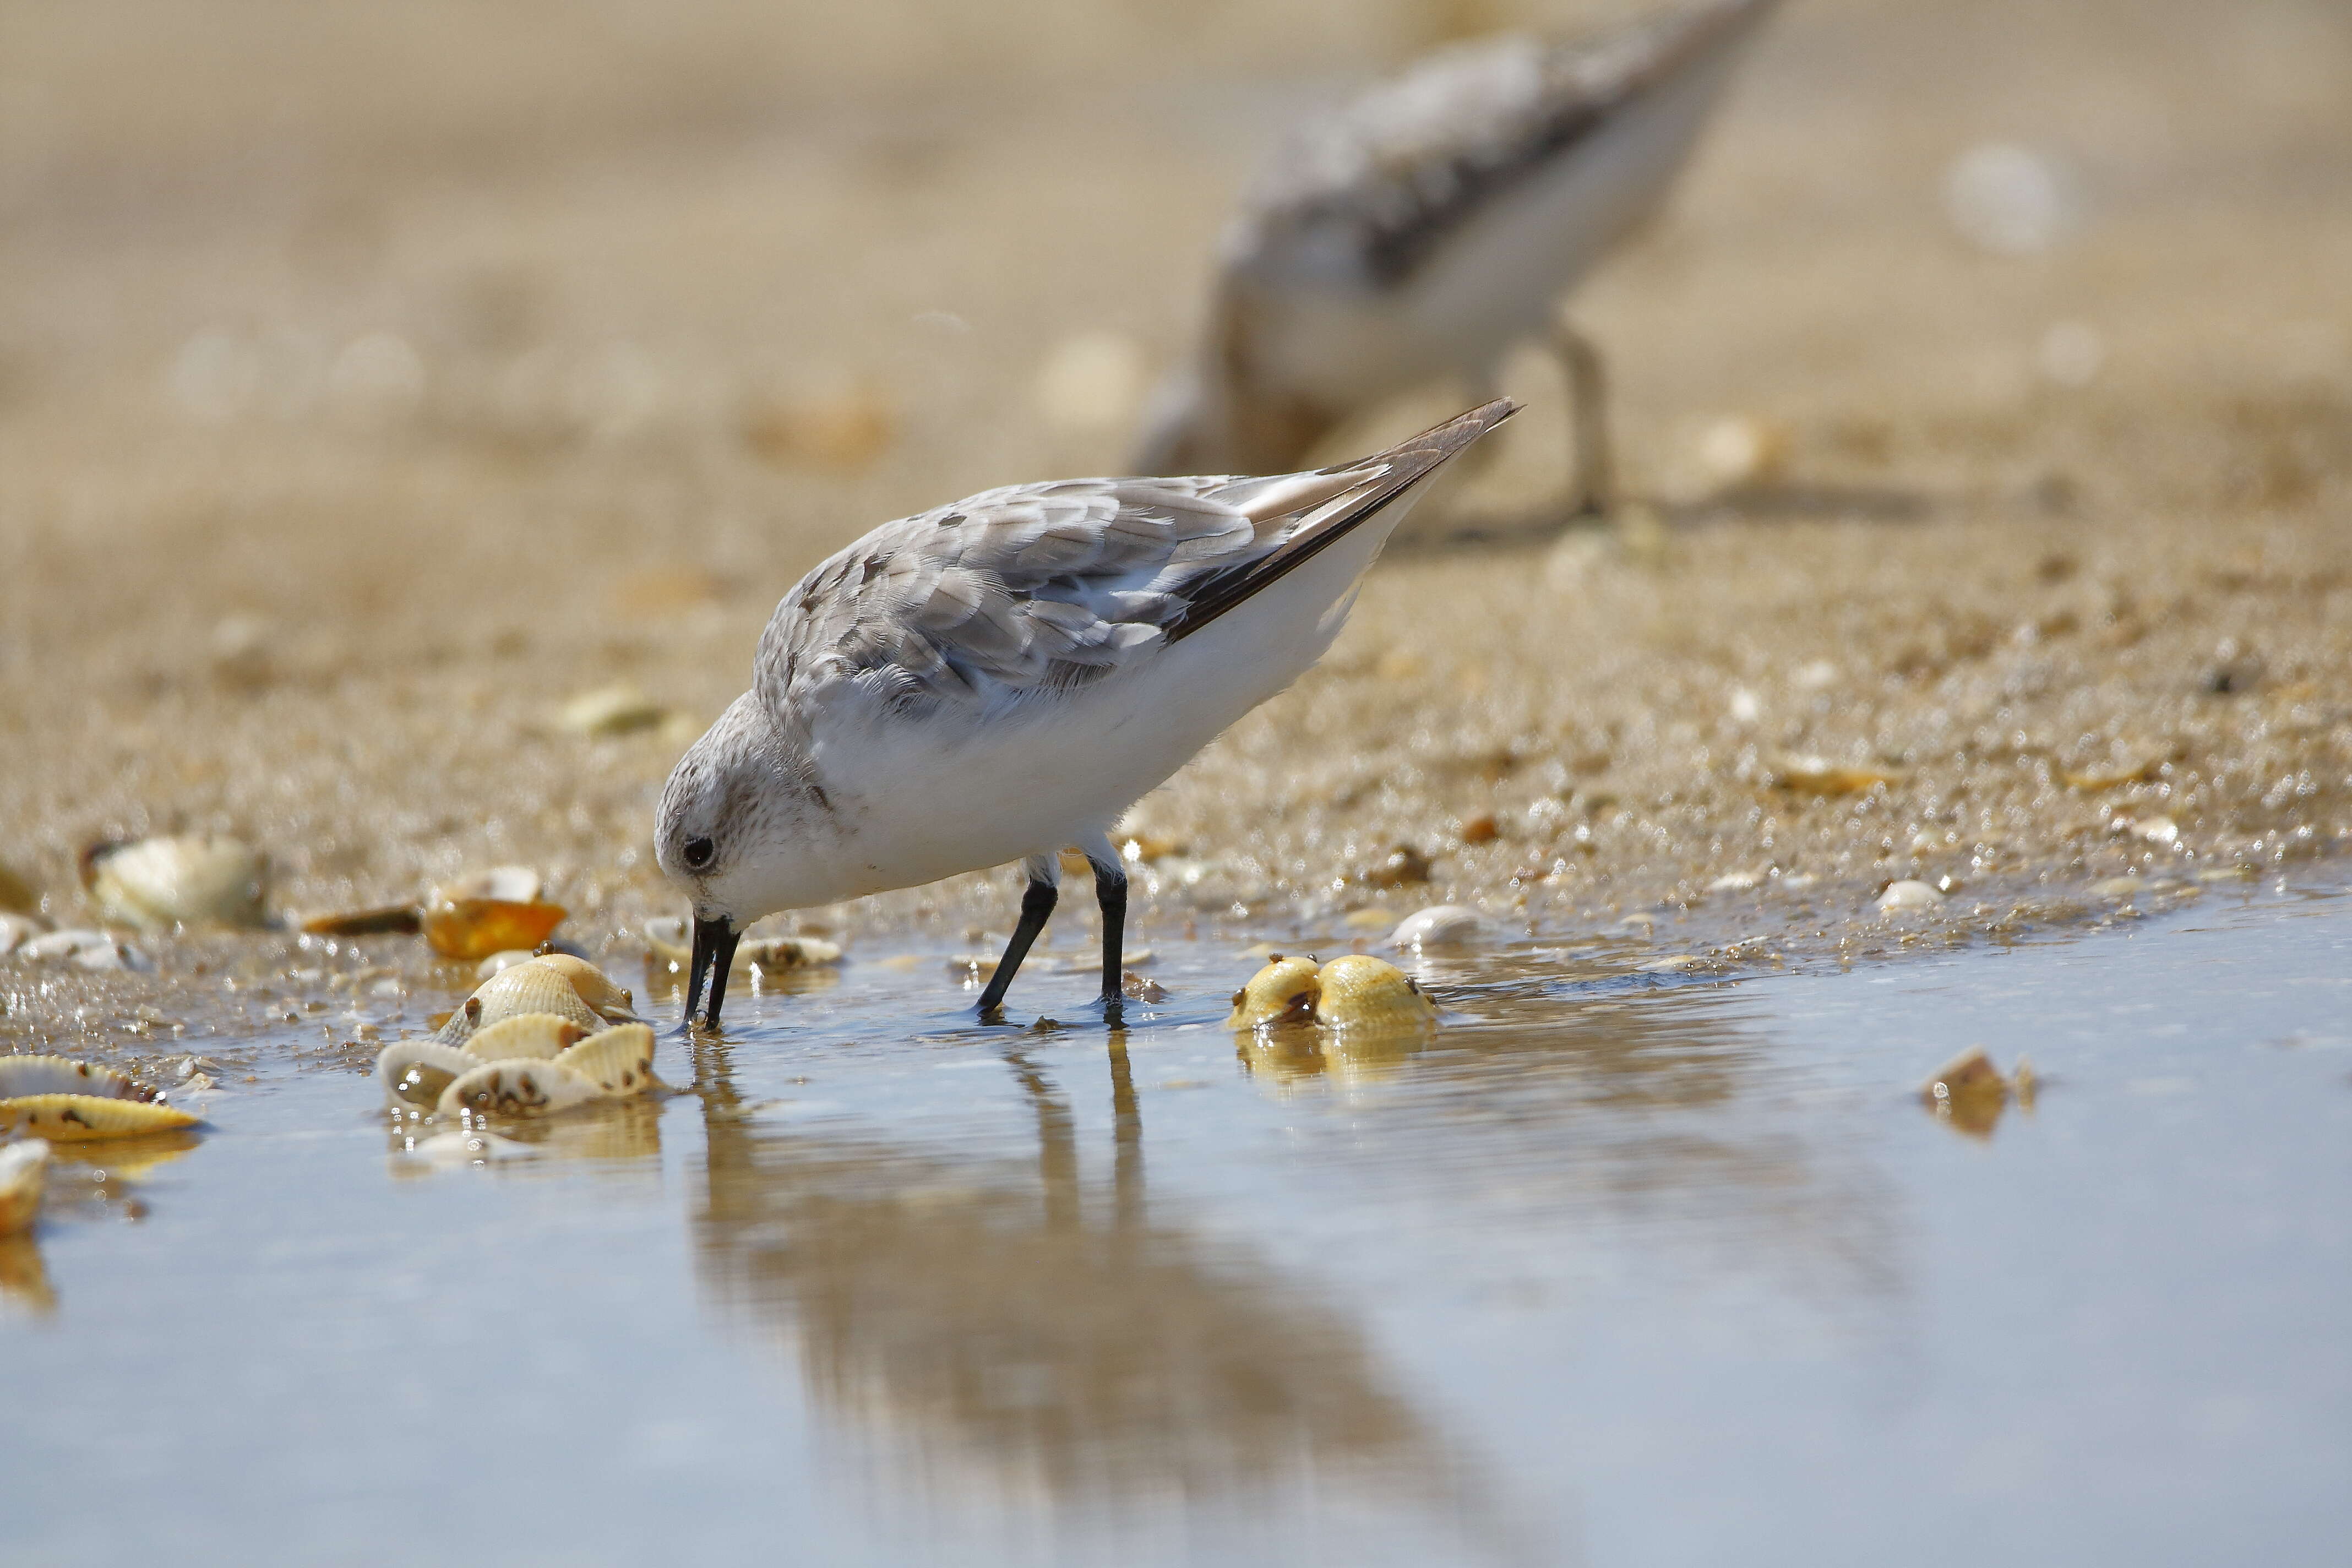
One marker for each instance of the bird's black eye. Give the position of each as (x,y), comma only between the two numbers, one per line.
(698,853)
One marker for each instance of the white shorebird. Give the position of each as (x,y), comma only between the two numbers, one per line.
(993,679)
(1432,224)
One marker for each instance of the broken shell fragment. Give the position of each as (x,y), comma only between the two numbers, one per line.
(1401,865)
(22,1076)
(507,884)
(619,1060)
(191,878)
(1360,991)
(416,1072)
(1818,775)
(525,1037)
(24,1170)
(603,997)
(77,1118)
(471,929)
(1284,991)
(517,1089)
(1440,925)
(1970,1090)
(392,919)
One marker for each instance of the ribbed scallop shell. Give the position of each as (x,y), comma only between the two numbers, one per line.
(1360,991)
(510,993)
(1283,992)
(414,1072)
(619,1061)
(62,1075)
(518,1089)
(77,1118)
(526,1037)
(603,997)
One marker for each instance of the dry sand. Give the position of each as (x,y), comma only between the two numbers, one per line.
(373,380)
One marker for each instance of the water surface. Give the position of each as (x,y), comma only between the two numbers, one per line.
(1618,1269)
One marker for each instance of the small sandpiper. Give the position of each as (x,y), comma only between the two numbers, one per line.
(1432,224)
(993,679)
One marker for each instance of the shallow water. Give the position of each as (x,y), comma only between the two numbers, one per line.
(1618,1269)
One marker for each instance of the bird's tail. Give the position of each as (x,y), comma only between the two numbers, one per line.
(1336,501)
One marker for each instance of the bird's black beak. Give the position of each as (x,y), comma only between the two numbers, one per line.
(714,955)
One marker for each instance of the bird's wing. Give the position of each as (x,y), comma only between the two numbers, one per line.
(1023,593)
(1376,187)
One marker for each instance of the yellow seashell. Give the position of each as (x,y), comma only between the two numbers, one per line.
(526,1037)
(1360,991)
(1284,991)
(603,997)
(76,1118)
(22,1076)
(518,1089)
(24,1172)
(414,1072)
(620,1061)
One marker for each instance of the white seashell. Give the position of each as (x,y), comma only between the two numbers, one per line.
(517,1089)
(526,1037)
(190,878)
(77,1117)
(414,1072)
(15,930)
(620,1061)
(1360,991)
(24,1170)
(1440,925)
(499,960)
(1908,894)
(525,988)
(22,1076)
(603,997)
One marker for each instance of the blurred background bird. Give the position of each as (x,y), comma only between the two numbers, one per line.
(1434,223)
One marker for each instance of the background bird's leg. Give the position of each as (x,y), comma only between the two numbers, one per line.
(1037,905)
(1110,893)
(1588,412)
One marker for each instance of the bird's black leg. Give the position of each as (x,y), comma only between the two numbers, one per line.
(1588,404)
(1110,892)
(1037,905)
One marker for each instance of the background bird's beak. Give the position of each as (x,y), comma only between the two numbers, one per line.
(714,955)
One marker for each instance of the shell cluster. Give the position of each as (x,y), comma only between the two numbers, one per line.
(535,1038)
(67,1102)
(1357,992)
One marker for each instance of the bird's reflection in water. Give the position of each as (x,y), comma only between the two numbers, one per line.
(1015,1330)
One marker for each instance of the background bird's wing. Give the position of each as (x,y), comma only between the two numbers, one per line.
(1380,184)
(1022,593)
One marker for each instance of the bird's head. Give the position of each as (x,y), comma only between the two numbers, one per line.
(728,835)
